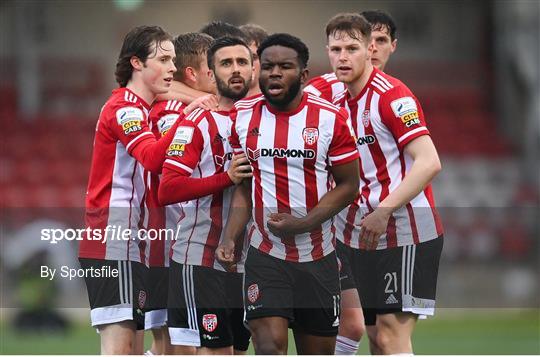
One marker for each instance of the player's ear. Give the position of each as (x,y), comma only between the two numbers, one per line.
(190,74)
(212,76)
(136,63)
(304,75)
(393,46)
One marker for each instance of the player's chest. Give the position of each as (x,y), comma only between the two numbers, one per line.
(293,142)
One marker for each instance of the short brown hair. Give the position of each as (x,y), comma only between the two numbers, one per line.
(137,43)
(189,48)
(350,23)
(254,33)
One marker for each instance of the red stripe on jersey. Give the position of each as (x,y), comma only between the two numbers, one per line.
(428,191)
(217,202)
(310,179)
(413,223)
(353,107)
(282,182)
(391,236)
(251,144)
(349,224)
(377,154)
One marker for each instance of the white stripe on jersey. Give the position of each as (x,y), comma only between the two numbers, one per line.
(137,138)
(340,157)
(384,80)
(180,165)
(376,80)
(412,132)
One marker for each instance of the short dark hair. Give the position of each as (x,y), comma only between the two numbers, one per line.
(137,43)
(287,40)
(254,33)
(189,48)
(380,19)
(221,43)
(218,29)
(351,24)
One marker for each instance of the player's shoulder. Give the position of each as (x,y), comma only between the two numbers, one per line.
(249,102)
(123,106)
(388,86)
(167,106)
(196,117)
(320,103)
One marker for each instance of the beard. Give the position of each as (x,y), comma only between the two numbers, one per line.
(224,89)
(288,96)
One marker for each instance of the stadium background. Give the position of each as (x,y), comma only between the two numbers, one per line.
(473,65)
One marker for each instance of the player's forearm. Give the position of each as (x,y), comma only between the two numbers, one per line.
(239,213)
(173,187)
(151,152)
(423,170)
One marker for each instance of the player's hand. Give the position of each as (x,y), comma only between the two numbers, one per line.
(239,168)
(206,102)
(225,255)
(285,225)
(372,226)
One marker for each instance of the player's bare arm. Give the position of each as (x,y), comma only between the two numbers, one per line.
(347,182)
(239,216)
(182,92)
(207,102)
(426,165)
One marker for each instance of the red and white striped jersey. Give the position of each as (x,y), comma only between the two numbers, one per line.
(200,149)
(116,186)
(160,222)
(326,86)
(289,154)
(386,116)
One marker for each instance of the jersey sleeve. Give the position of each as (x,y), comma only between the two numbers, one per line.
(234,140)
(129,125)
(403,116)
(184,151)
(342,147)
(320,87)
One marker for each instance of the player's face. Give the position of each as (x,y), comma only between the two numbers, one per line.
(157,71)
(348,56)
(233,71)
(383,46)
(204,80)
(256,65)
(281,76)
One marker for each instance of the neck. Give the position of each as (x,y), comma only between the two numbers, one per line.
(357,86)
(253,91)
(225,103)
(141,91)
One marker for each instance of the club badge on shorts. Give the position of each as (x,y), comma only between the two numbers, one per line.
(142,298)
(253,293)
(209,322)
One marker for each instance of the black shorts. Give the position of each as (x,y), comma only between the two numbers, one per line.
(398,279)
(241,334)
(199,312)
(344,254)
(307,294)
(158,286)
(116,298)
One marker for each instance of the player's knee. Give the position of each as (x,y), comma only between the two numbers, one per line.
(118,349)
(353,329)
(270,347)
